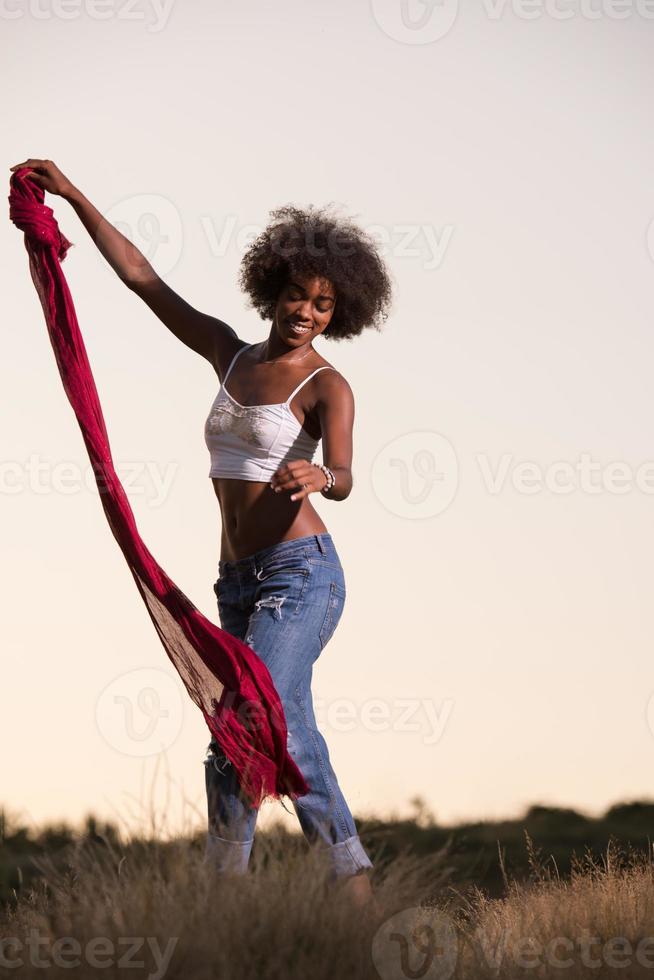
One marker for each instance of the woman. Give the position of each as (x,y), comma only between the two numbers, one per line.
(280,586)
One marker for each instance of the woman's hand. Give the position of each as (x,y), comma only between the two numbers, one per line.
(123,257)
(292,476)
(47,175)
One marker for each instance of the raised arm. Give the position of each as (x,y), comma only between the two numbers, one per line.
(206,335)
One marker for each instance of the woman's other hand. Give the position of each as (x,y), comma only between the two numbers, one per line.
(294,476)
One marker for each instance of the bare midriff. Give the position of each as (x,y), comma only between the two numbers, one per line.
(255,517)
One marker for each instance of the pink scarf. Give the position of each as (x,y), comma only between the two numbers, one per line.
(224,677)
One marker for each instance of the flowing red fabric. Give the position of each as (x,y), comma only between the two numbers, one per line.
(224,677)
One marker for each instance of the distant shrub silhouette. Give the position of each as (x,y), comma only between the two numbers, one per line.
(560,836)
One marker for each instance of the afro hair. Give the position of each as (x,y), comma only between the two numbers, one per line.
(313,242)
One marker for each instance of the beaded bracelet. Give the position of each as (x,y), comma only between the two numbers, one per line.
(330,478)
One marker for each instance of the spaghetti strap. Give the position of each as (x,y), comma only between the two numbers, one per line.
(295,391)
(231,363)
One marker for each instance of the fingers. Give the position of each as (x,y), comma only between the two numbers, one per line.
(37,178)
(33,163)
(287,476)
(278,477)
(293,476)
(41,172)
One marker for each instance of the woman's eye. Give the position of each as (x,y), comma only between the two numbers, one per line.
(294,298)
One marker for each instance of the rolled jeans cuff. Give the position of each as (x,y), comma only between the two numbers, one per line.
(227,856)
(348,857)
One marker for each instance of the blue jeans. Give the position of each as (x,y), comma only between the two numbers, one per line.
(285,602)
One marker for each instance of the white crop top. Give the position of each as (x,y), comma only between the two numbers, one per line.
(250,442)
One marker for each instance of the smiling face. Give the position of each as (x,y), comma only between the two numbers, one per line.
(304,308)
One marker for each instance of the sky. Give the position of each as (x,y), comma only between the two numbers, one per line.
(496,645)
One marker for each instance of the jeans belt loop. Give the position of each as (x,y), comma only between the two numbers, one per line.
(321,544)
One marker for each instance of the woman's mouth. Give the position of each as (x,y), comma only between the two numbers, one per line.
(298,329)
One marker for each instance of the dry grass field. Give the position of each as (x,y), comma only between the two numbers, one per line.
(149,908)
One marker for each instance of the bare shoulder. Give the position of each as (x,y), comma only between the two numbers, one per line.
(332,384)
